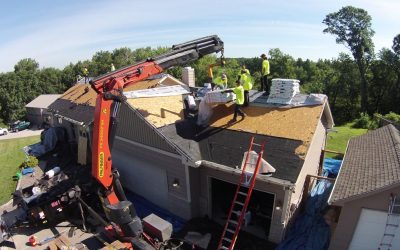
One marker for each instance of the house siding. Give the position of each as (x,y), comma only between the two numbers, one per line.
(135,128)
(311,162)
(350,214)
(205,198)
(37,115)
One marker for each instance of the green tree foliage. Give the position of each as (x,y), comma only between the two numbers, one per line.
(338,78)
(352,27)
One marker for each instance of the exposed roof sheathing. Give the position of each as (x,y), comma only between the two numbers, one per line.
(78,102)
(371,163)
(294,123)
(159,111)
(297,123)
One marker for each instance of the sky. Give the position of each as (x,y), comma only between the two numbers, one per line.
(56,33)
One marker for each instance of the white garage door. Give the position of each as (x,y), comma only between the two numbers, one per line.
(142,177)
(369,231)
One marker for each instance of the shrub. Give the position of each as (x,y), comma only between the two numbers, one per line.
(393,117)
(362,122)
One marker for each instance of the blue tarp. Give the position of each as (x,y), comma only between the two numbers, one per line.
(144,208)
(331,167)
(310,231)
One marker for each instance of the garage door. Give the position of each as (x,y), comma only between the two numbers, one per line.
(370,229)
(144,177)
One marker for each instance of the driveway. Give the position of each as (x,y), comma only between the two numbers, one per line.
(23,133)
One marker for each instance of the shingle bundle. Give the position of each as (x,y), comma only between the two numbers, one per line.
(283,90)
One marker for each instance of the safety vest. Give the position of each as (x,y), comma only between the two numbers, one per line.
(246,81)
(239,92)
(265,67)
(223,83)
(85,72)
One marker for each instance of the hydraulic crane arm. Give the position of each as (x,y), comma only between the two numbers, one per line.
(211,66)
(109,88)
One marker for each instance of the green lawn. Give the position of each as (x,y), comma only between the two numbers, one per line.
(11,156)
(338,141)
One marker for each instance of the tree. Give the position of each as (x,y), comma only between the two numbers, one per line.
(352,27)
(396,45)
(27,64)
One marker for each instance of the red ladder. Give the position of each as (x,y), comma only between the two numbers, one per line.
(240,201)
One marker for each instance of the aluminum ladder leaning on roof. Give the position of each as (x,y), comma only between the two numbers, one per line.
(241,200)
(392,223)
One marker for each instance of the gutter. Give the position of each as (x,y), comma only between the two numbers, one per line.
(267,179)
(337,177)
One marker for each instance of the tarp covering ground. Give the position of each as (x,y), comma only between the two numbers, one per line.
(310,230)
(144,208)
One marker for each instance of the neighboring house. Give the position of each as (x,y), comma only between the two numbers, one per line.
(192,172)
(369,176)
(37,109)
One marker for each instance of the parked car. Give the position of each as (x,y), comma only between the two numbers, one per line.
(3,131)
(19,125)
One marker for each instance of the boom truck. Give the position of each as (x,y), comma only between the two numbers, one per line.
(120,214)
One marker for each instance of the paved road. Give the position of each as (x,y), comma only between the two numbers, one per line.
(23,133)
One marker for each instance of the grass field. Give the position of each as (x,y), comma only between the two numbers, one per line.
(11,156)
(338,141)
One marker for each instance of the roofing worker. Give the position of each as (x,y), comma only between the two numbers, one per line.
(239,92)
(246,81)
(221,82)
(85,73)
(245,69)
(265,86)
(112,67)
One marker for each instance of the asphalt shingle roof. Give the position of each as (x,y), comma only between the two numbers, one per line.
(226,147)
(371,163)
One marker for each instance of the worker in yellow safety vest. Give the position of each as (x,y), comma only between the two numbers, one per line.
(265,85)
(239,92)
(221,82)
(85,73)
(245,69)
(247,83)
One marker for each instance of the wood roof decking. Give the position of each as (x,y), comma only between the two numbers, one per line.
(159,111)
(79,101)
(297,123)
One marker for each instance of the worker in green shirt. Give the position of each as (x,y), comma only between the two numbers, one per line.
(265,85)
(246,81)
(239,92)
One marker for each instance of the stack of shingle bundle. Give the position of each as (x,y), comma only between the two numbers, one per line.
(283,90)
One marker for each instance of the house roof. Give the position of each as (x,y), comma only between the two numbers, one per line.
(42,101)
(78,102)
(225,146)
(288,131)
(371,164)
(298,123)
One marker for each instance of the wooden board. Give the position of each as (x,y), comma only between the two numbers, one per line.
(159,111)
